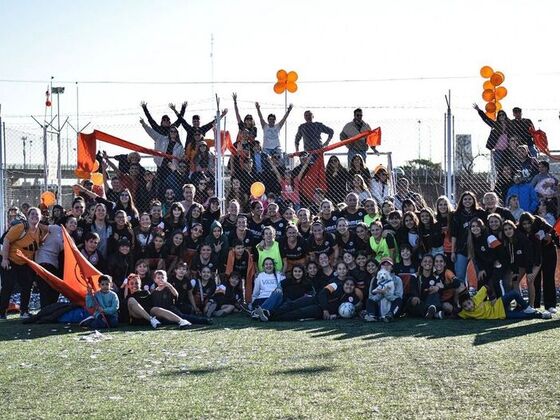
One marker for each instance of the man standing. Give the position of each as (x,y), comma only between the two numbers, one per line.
(520,127)
(354,127)
(195,127)
(311,133)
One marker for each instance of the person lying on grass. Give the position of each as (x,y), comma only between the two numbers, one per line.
(478,307)
(105,304)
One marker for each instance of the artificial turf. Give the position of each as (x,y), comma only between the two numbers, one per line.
(238,368)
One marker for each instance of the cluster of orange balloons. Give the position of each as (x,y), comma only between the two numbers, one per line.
(94,176)
(492,90)
(286,81)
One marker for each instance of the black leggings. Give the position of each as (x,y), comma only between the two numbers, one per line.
(24,276)
(545,277)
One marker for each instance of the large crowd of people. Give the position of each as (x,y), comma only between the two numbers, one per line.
(169,254)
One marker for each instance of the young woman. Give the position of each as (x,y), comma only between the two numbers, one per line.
(219,243)
(229,220)
(431,233)
(142,269)
(174,219)
(358,167)
(543,242)
(227,298)
(270,248)
(100,225)
(338,179)
(203,288)
(25,238)
(174,250)
(242,232)
(304,223)
(444,215)
(266,282)
(294,248)
(359,187)
(387,207)
(289,184)
(412,235)
(380,188)
(500,133)
(467,210)
(519,256)
(322,242)
(143,235)
(275,219)
(121,229)
(327,272)
(328,216)
(372,212)
(430,287)
(314,277)
(211,213)
(203,258)
(256,222)
(495,222)
(192,243)
(382,246)
(346,240)
(156,253)
(449,294)
(362,238)
(194,216)
(483,252)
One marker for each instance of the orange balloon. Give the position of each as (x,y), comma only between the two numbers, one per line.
(48,198)
(487,85)
(279,87)
(291,86)
(490,107)
(501,92)
(282,75)
(292,76)
(497,79)
(486,71)
(97,178)
(488,95)
(95,166)
(257,189)
(498,105)
(82,174)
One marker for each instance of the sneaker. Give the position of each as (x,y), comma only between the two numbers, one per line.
(211,309)
(184,324)
(254,314)
(546,315)
(440,315)
(86,321)
(219,313)
(263,314)
(529,310)
(370,318)
(431,312)
(155,323)
(24,315)
(246,308)
(552,310)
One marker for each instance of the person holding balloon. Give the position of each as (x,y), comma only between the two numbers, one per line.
(271,130)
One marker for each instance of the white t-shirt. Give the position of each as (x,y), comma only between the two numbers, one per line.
(271,136)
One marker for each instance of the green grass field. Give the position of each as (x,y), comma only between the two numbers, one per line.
(243,369)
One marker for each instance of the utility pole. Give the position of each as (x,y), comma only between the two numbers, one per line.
(58,90)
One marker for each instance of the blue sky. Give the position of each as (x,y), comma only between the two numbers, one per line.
(322,40)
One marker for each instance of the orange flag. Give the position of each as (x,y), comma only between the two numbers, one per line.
(87,148)
(78,273)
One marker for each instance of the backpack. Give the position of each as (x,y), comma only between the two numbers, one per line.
(12,224)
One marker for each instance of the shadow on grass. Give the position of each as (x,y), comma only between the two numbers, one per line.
(306,371)
(484,332)
(192,372)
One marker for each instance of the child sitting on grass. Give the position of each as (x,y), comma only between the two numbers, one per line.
(105,302)
(478,307)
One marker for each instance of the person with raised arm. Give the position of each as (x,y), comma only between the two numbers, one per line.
(271,130)
(165,125)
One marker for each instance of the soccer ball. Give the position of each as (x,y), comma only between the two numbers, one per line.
(346,310)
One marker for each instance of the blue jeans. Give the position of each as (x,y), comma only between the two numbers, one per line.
(274,301)
(513,295)
(461,263)
(100,322)
(533,151)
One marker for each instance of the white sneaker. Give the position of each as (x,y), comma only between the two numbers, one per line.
(439,315)
(25,315)
(552,310)
(370,318)
(431,312)
(529,310)
(184,324)
(85,321)
(546,315)
(155,323)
